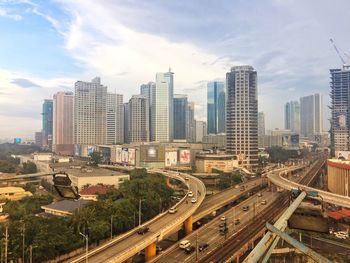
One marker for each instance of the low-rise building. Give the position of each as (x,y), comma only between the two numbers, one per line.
(205,163)
(338,177)
(65,207)
(91,193)
(13,193)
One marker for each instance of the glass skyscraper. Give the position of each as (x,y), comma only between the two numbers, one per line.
(292,116)
(180,109)
(47,123)
(216,107)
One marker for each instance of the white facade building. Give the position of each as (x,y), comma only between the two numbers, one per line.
(115,118)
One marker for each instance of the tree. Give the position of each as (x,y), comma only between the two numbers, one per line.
(31,187)
(29,168)
(95,158)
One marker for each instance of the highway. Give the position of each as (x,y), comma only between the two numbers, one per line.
(125,246)
(209,233)
(278,179)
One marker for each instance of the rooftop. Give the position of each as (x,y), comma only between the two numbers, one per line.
(67,205)
(93,190)
(90,171)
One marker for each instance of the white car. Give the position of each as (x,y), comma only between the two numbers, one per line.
(172,210)
(184,244)
(190,194)
(223,218)
(194,200)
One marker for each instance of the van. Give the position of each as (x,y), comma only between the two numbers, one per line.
(172,210)
(184,244)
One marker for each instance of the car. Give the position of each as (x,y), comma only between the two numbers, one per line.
(203,247)
(193,200)
(159,249)
(186,178)
(237,221)
(259,195)
(184,244)
(190,194)
(263,202)
(222,224)
(223,218)
(143,230)
(245,208)
(172,210)
(189,249)
(223,231)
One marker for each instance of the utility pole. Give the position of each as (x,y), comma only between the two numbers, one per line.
(197,246)
(6,242)
(111,226)
(23,239)
(30,254)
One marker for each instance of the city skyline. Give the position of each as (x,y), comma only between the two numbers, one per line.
(76,48)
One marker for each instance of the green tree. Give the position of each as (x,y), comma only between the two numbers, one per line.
(95,158)
(29,168)
(31,187)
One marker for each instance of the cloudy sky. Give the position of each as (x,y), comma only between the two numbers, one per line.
(45,46)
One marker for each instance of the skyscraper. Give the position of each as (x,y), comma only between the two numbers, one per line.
(163,107)
(340,101)
(63,123)
(191,123)
(138,128)
(242,115)
(216,107)
(261,123)
(126,122)
(292,116)
(115,118)
(180,116)
(148,90)
(90,112)
(47,123)
(201,130)
(311,116)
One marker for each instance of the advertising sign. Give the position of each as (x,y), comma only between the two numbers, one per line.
(125,155)
(90,149)
(286,140)
(170,159)
(118,155)
(340,119)
(132,153)
(17,140)
(76,150)
(152,152)
(342,155)
(185,156)
(294,139)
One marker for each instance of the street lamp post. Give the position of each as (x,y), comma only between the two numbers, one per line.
(86,245)
(140,204)
(112,226)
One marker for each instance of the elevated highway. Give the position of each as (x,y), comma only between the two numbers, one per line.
(125,246)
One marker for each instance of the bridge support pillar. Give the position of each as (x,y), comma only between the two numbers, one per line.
(150,252)
(188,225)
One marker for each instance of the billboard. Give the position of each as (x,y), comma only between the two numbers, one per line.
(125,155)
(90,149)
(170,159)
(77,150)
(286,140)
(294,139)
(342,155)
(152,152)
(118,155)
(17,140)
(339,119)
(185,156)
(132,156)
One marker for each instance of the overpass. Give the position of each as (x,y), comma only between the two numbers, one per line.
(127,245)
(278,179)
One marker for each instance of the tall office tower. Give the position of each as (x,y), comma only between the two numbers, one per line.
(38,139)
(311,116)
(90,112)
(340,121)
(261,123)
(138,128)
(162,124)
(47,122)
(126,122)
(201,130)
(180,116)
(148,90)
(216,107)
(63,123)
(191,123)
(115,118)
(242,115)
(292,116)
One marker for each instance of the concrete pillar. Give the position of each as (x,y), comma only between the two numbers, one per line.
(150,252)
(188,225)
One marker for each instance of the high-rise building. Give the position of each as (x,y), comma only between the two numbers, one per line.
(201,130)
(216,107)
(311,116)
(261,123)
(292,116)
(115,119)
(63,123)
(38,139)
(242,115)
(47,123)
(340,99)
(148,90)
(163,108)
(126,122)
(180,116)
(138,128)
(191,123)
(90,103)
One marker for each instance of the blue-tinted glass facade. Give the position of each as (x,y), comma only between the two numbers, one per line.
(180,109)
(216,107)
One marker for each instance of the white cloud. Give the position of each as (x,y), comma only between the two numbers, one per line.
(7,14)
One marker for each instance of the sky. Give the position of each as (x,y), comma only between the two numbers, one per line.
(46,46)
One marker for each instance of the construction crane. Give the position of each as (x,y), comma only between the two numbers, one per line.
(345,63)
